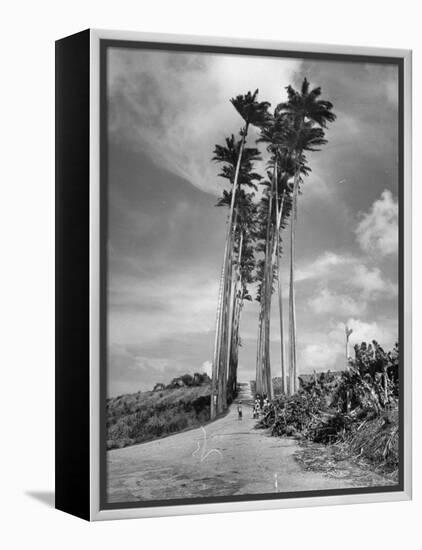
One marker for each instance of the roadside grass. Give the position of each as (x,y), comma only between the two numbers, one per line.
(368,451)
(144,416)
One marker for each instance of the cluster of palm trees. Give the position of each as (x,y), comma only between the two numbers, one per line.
(259,209)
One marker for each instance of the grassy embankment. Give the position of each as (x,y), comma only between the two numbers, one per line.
(143,416)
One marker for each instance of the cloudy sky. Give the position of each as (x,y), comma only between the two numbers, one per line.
(166,237)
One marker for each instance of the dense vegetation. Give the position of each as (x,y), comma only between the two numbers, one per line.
(356,410)
(143,416)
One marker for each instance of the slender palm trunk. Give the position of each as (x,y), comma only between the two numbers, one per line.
(217,343)
(222,370)
(267,357)
(222,352)
(280,308)
(232,348)
(239,313)
(258,377)
(259,347)
(233,292)
(227,320)
(235,345)
(221,355)
(263,367)
(231,299)
(279,213)
(261,362)
(292,300)
(232,316)
(270,241)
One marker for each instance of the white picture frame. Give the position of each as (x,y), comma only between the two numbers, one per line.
(95,509)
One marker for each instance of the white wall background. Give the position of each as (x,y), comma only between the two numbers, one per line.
(29,29)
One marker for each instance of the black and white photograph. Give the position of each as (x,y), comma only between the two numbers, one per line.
(210,236)
(251,243)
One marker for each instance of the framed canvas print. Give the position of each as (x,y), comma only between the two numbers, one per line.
(233,275)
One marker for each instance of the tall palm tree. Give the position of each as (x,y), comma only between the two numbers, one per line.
(243,174)
(244,268)
(255,113)
(283,208)
(307,116)
(274,135)
(265,276)
(243,263)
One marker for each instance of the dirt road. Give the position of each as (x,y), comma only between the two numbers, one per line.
(226,457)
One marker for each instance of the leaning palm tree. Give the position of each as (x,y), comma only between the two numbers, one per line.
(255,113)
(241,173)
(307,117)
(264,278)
(243,264)
(244,267)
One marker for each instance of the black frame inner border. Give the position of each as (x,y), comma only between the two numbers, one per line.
(105,44)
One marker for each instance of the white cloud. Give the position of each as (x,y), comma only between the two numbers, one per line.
(175,106)
(322,356)
(324,351)
(159,364)
(173,303)
(129,371)
(377,231)
(386,79)
(339,304)
(348,274)
(385,334)
(371,283)
(327,264)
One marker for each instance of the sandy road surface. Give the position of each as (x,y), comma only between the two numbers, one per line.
(226,457)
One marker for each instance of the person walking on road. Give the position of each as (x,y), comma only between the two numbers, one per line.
(239,410)
(256,408)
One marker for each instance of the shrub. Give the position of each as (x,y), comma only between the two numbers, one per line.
(357,408)
(371,381)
